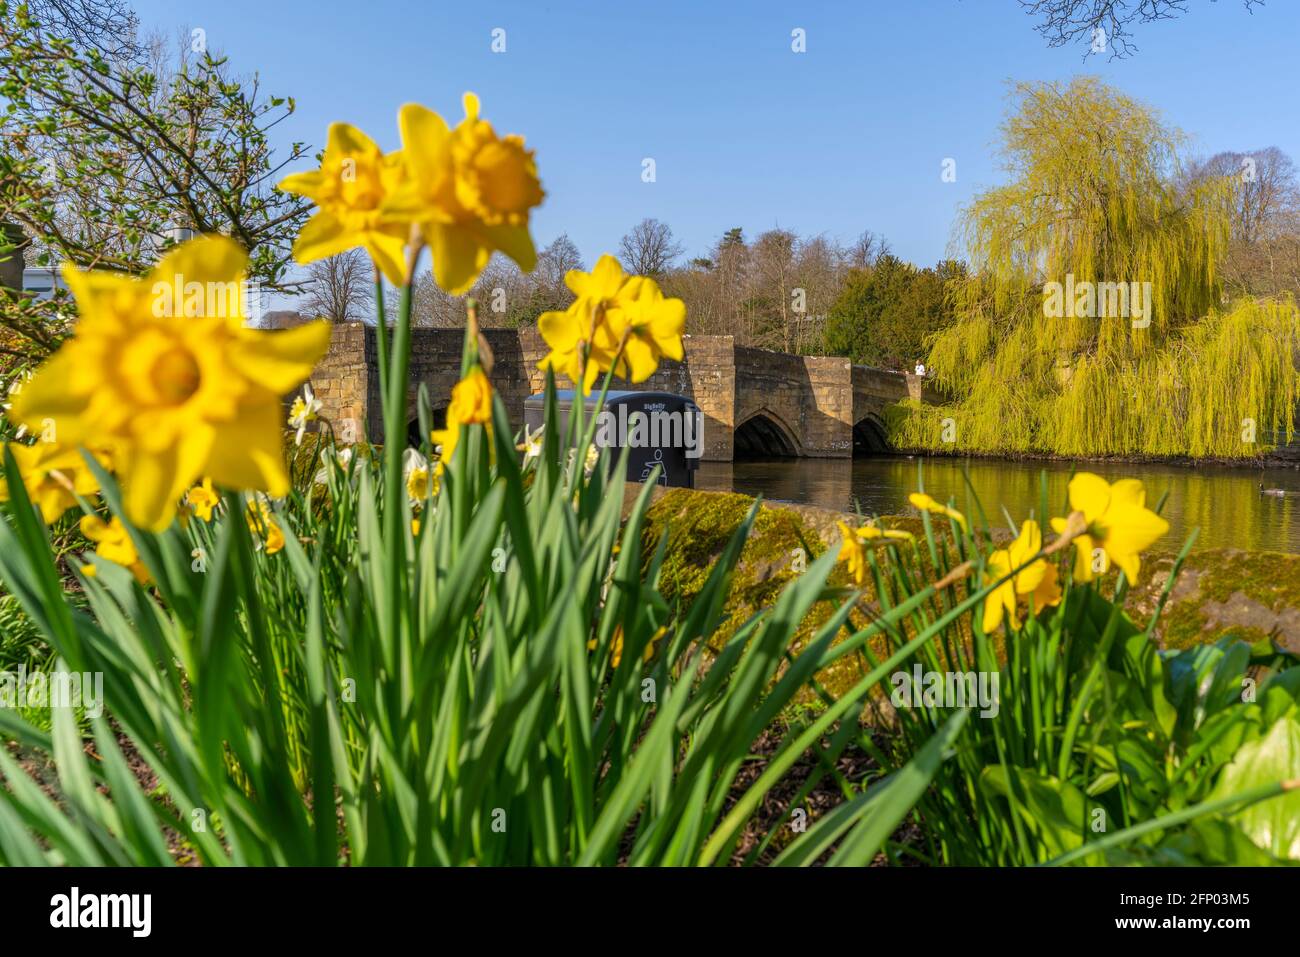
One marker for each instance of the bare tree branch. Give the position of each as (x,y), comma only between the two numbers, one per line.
(1103,25)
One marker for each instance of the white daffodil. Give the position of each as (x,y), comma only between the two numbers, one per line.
(303,410)
(531,446)
(421,480)
(344,458)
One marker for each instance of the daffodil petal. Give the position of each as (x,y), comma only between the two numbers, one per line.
(206,259)
(101,293)
(388,252)
(1128,492)
(640,359)
(344,139)
(282,359)
(304,184)
(249,452)
(152,482)
(561,330)
(52,394)
(424,139)
(322,236)
(516,243)
(1089,494)
(458,256)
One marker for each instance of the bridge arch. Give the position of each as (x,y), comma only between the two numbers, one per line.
(765,435)
(438,421)
(870,436)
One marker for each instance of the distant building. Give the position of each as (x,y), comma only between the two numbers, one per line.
(41,281)
(282,319)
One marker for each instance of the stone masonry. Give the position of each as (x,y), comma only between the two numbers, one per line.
(754,401)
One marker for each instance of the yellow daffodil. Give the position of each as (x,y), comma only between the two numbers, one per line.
(927,504)
(53,475)
(261,522)
(1048,592)
(354,180)
(616,646)
(654,640)
(417,484)
(1038,578)
(202,499)
(470,191)
(615,320)
(875,533)
(113,544)
(853,551)
(445,440)
(648,327)
(163,371)
(1003,597)
(471,399)
(574,334)
(568,333)
(1118,522)
(471,404)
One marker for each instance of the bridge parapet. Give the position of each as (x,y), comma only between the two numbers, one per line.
(754,401)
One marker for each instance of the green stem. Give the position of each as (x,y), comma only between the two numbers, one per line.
(381,333)
(399,363)
(589,430)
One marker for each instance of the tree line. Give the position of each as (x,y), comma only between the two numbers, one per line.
(778,290)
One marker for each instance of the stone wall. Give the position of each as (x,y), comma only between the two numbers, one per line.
(342,381)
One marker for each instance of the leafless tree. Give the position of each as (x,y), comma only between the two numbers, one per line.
(774,268)
(774,292)
(648,249)
(1264,252)
(1063,22)
(554,263)
(865,250)
(339,288)
(820,267)
(107,25)
(507,296)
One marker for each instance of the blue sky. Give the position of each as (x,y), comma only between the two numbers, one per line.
(847,136)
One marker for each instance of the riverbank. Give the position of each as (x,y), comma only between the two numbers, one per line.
(1253,595)
(1287,456)
(1223,507)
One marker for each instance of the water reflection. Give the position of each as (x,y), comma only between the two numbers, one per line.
(1225,503)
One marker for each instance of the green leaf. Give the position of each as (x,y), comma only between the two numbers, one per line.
(1053,811)
(1273,825)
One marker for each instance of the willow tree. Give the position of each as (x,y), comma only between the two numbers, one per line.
(1093,320)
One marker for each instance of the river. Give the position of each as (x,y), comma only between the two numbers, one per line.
(1224,503)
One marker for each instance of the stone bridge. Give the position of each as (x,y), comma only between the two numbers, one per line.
(755,402)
